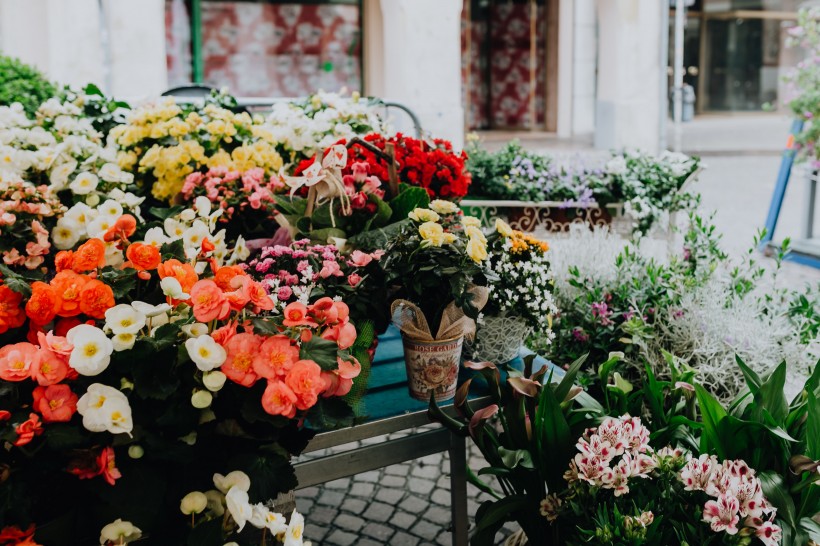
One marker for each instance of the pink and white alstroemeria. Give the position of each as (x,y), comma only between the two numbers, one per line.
(697,474)
(722,514)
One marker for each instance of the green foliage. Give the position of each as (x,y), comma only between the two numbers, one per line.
(24,84)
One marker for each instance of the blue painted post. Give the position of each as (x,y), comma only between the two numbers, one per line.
(781,184)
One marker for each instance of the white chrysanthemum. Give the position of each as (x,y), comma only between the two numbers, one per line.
(92,350)
(206,353)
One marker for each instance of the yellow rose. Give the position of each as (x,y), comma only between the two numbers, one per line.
(432,233)
(424,215)
(449,238)
(477,250)
(443,207)
(474,233)
(471,221)
(503,227)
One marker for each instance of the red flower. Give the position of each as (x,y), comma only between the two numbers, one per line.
(27,430)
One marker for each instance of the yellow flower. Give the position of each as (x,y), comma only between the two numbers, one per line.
(474,233)
(469,221)
(503,227)
(449,238)
(476,250)
(220,159)
(432,233)
(443,207)
(126,160)
(424,215)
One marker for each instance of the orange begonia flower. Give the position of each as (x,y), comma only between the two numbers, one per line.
(184,273)
(96,298)
(43,304)
(90,256)
(64,260)
(12,314)
(143,257)
(123,228)
(225,274)
(68,286)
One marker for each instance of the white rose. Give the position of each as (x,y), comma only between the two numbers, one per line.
(214,380)
(84,183)
(194,502)
(92,349)
(124,319)
(119,532)
(236,479)
(206,353)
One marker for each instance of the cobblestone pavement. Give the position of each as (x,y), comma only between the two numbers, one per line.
(405,504)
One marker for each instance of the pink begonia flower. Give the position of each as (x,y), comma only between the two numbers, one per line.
(722,514)
(354,279)
(360,171)
(209,301)
(359,259)
(305,380)
(275,358)
(330,268)
(238,366)
(279,399)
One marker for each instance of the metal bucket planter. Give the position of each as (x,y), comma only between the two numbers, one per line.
(432,367)
(498,339)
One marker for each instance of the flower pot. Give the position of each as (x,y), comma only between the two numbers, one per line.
(432,367)
(498,339)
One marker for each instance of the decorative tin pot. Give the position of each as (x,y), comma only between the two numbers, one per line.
(432,367)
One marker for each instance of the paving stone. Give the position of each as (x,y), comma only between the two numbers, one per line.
(341,538)
(404,539)
(331,498)
(369,542)
(354,506)
(426,530)
(316,533)
(389,495)
(402,520)
(308,492)
(304,506)
(428,471)
(322,515)
(441,496)
(393,481)
(414,505)
(421,486)
(372,476)
(438,514)
(378,511)
(360,489)
(397,470)
(378,531)
(349,522)
(343,483)
(444,539)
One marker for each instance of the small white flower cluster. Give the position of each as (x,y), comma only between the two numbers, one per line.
(231,494)
(83,221)
(321,121)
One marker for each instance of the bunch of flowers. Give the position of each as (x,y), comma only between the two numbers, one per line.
(521,282)
(246,198)
(803,82)
(164,142)
(611,476)
(435,258)
(229,505)
(304,272)
(303,129)
(156,358)
(432,165)
(26,213)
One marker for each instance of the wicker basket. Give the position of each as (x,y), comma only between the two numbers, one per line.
(498,339)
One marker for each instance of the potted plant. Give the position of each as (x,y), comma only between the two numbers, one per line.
(432,264)
(520,295)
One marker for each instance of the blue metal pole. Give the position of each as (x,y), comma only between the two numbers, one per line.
(781,184)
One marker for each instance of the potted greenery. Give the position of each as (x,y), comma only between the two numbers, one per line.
(432,264)
(520,298)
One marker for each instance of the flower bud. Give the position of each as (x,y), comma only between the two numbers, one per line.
(92,200)
(136,451)
(193,503)
(201,399)
(214,380)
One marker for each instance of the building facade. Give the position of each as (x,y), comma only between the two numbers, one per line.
(568,67)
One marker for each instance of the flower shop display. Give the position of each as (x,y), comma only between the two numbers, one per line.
(305,128)
(638,185)
(131,371)
(23,84)
(27,213)
(432,263)
(163,142)
(802,83)
(520,297)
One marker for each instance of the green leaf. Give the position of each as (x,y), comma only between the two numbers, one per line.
(777,492)
(207,533)
(265,327)
(553,438)
(331,414)
(712,413)
(480,484)
(772,396)
(163,213)
(324,235)
(500,511)
(377,238)
(174,250)
(270,474)
(752,379)
(513,458)
(568,380)
(409,198)
(153,371)
(121,281)
(322,351)
(812,427)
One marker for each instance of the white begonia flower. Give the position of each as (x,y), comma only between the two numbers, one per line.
(202,399)
(503,227)
(124,319)
(126,199)
(195,330)
(105,408)
(206,353)
(113,255)
(92,350)
(189,439)
(237,479)
(155,237)
(296,529)
(151,311)
(66,234)
(424,215)
(119,532)
(174,228)
(216,502)
(173,289)
(240,251)
(110,208)
(239,506)
(214,380)
(187,215)
(59,175)
(443,207)
(474,232)
(471,221)
(93,200)
(84,183)
(203,206)
(275,522)
(194,502)
(97,227)
(111,172)
(80,213)
(193,236)
(123,342)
